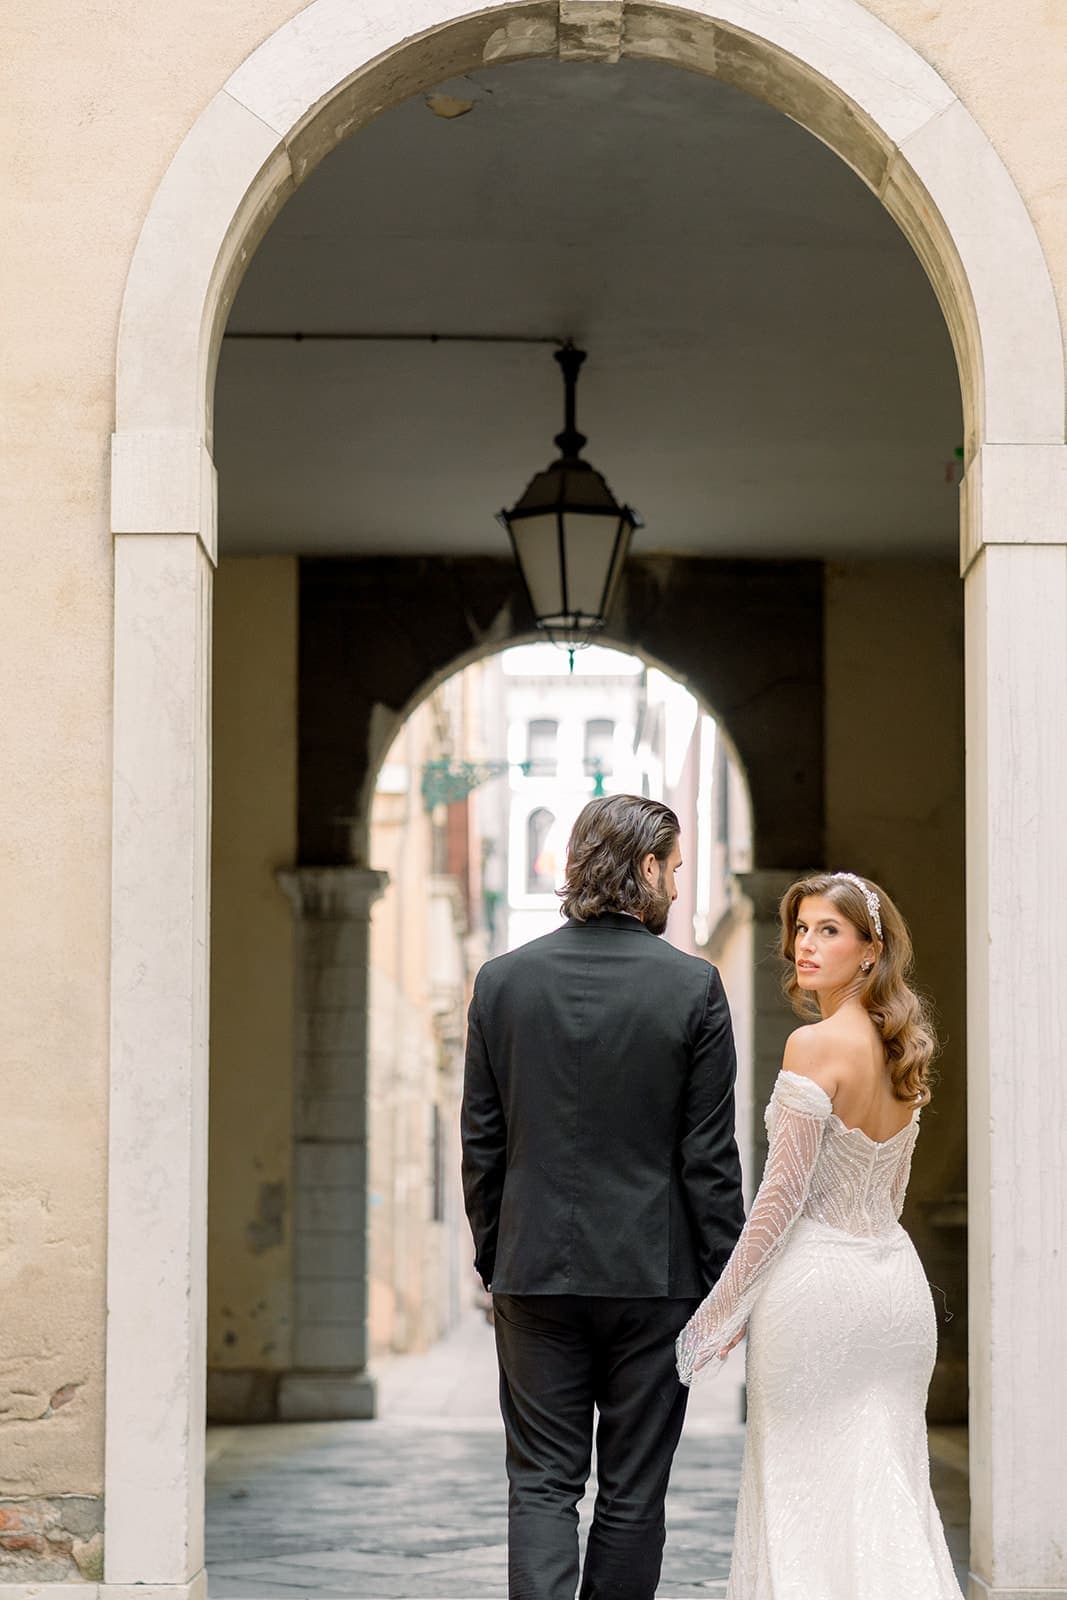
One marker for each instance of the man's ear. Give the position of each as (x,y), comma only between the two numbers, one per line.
(649,868)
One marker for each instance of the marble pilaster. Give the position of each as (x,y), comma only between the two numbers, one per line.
(157,1210)
(1016,619)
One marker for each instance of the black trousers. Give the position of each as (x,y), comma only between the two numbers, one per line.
(561,1355)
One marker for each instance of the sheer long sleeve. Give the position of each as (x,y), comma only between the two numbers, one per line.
(799,1109)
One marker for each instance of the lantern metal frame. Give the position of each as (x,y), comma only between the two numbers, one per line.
(571,487)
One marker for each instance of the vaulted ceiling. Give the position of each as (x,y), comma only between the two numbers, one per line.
(768,370)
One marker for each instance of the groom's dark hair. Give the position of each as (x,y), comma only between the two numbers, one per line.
(608,843)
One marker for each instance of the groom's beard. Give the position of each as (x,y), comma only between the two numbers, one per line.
(655,918)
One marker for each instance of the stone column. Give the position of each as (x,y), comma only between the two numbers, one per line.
(329,1379)
(1015,565)
(772,1018)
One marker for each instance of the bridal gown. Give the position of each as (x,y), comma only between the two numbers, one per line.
(835,1499)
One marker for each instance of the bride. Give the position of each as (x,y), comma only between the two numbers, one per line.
(835,1499)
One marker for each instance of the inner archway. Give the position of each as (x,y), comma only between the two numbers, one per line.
(883,109)
(472,809)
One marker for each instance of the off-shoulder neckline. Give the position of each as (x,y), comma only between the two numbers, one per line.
(799,1077)
(879,1144)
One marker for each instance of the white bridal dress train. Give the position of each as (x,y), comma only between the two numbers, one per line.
(835,1499)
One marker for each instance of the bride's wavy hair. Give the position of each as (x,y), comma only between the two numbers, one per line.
(609,841)
(901,1015)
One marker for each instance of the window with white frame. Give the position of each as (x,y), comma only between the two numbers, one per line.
(542,735)
(599,745)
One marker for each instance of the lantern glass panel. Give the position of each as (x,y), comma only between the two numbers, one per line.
(537,548)
(590,551)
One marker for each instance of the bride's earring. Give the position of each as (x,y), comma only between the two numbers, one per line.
(866,966)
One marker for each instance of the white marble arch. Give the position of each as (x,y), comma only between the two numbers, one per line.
(860,88)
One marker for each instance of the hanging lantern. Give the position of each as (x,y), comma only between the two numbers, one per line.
(569,534)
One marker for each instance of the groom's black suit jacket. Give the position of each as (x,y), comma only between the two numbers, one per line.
(598,1117)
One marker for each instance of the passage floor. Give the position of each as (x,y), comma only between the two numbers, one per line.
(412,1506)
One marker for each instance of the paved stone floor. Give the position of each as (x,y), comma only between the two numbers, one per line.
(412,1505)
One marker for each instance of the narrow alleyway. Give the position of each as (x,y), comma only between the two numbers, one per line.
(412,1505)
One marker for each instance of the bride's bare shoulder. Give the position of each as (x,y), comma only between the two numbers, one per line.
(810,1052)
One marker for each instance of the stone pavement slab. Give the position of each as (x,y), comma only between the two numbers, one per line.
(391,1510)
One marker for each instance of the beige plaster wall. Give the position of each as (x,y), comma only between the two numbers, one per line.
(251,1085)
(894,810)
(95,101)
(1007,63)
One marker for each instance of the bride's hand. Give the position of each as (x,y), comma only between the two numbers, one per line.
(715,1358)
(725,1351)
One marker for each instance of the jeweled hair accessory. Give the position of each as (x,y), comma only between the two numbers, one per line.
(874,905)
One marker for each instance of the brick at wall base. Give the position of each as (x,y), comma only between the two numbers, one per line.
(58,1540)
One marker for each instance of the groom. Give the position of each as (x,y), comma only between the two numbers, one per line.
(603,1190)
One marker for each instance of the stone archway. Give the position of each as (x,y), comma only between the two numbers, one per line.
(864,92)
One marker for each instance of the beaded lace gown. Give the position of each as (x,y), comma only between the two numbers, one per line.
(835,1499)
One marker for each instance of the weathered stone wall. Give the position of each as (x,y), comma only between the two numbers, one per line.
(59,1540)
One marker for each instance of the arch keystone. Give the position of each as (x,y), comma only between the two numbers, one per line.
(590,30)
